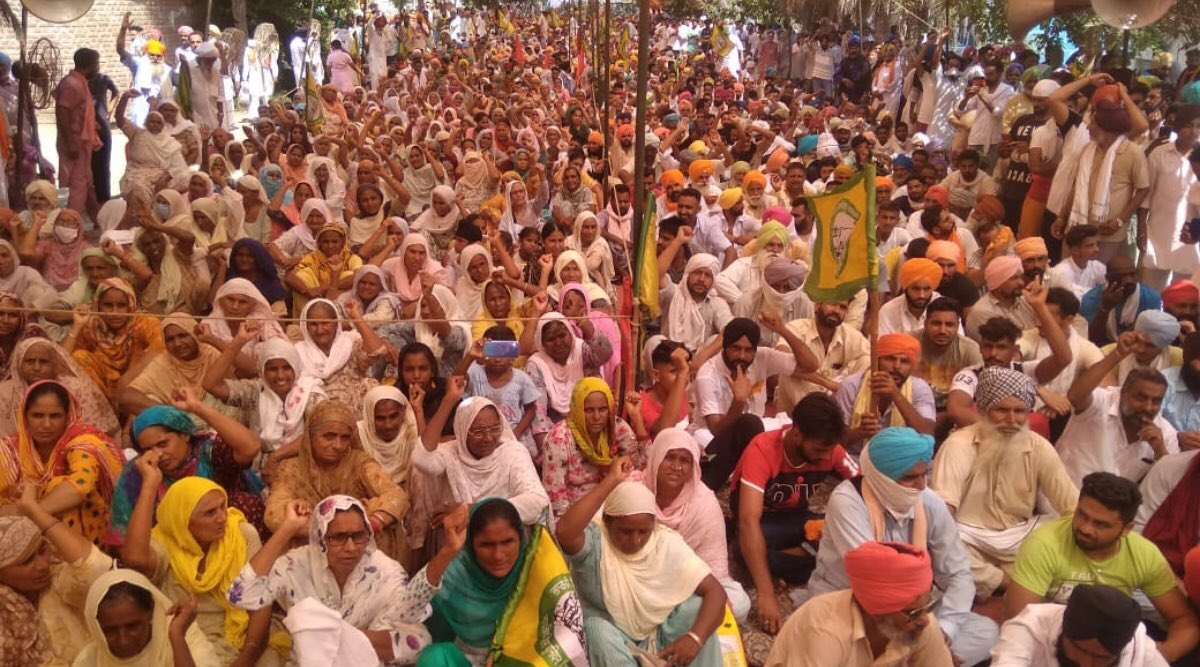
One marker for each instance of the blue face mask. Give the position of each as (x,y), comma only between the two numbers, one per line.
(300,107)
(162,211)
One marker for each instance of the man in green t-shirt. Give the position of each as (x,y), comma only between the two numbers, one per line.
(1097,546)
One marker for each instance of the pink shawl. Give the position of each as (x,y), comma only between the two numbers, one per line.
(695,513)
(410,291)
(604,326)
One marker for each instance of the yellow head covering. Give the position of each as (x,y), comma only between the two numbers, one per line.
(729,198)
(769,231)
(596,452)
(225,558)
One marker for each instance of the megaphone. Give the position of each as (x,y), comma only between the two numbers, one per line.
(1122,14)
(58,11)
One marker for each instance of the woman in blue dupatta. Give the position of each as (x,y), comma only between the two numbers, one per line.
(249,259)
(224,455)
(476,590)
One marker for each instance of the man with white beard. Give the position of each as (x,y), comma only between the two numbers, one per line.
(992,473)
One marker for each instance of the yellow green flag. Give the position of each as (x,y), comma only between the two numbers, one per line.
(645,267)
(720,41)
(314,115)
(543,623)
(183,90)
(844,255)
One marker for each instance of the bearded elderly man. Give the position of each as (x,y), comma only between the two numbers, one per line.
(1005,278)
(883,620)
(891,502)
(919,278)
(992,473)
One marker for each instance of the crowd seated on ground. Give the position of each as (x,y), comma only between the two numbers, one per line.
(394,374)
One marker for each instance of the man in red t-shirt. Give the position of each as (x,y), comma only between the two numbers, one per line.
(780,486)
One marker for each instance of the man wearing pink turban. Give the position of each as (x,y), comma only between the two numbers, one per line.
(1005,280)
(888,604)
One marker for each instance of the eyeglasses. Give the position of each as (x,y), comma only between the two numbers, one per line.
(359,538)
(494,431)
(913,614)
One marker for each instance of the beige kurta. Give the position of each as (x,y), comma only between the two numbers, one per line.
(995,486)
(828,630)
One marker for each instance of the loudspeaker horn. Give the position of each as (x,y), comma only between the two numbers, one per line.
(58,11)
(1122,14)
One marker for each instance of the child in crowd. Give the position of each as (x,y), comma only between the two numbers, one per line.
(512,391)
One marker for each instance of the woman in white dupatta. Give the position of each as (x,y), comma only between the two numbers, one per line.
(519,212)
(153,158)
(475,268)
(571,267)
(343,570)
(639,581)
(440,220)
(388,431)
(484,458)
(421,176)
(323,173)
(594,247)
(239,301)
(339,358)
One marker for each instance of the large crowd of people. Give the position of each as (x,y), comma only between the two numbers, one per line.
(334,369)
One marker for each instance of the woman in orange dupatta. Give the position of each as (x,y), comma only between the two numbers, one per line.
(74,465)
(108,340)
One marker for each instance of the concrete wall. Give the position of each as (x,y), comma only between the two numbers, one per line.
(98,30)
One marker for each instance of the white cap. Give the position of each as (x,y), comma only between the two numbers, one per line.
(1045,88)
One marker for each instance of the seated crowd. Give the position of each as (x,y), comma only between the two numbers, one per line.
(366,393)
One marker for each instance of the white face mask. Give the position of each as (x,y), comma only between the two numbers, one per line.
(66,234)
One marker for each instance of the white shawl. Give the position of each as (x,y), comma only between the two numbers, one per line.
(392,455)
(685,323)
(281,420)
(1093,206)
(317,363)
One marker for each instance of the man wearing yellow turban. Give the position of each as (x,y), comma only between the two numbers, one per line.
(919,277)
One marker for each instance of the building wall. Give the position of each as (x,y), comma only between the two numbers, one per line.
(98,30)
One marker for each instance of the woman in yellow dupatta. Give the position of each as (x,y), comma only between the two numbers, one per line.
(197,549)
(327,271)
(108,339)
(74,465)
(578,450)
(499,307)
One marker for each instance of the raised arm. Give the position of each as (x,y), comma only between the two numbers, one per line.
(296,517)
(244,444)
(806,361)
(572,524)
(1080,393)
(1060,349)
(456,385)
(136,553)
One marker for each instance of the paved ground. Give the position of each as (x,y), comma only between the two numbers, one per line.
(48,134)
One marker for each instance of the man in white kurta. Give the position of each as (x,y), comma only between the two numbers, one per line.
(207,91)
(381,41)
(1165,208)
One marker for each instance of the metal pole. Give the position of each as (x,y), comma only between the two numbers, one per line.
(207,19)
(17,196)
(302,84)
(606,66)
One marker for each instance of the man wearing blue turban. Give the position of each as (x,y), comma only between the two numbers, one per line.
(891,503)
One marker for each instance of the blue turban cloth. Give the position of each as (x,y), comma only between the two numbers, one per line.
(806,145)
(6,60)
(1191,93)
(903,161)
(166,416)
(1160,328)
(896,449)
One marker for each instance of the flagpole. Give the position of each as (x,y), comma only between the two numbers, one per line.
(639,168)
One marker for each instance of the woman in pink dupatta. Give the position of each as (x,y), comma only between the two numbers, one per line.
(577,310)
(410,268)
(684,504)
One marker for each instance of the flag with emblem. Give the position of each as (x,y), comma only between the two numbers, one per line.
(844,255)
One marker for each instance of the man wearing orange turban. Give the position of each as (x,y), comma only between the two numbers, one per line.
(699,171)
(919,277)
(672,182)
(890,396)
(888,604)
